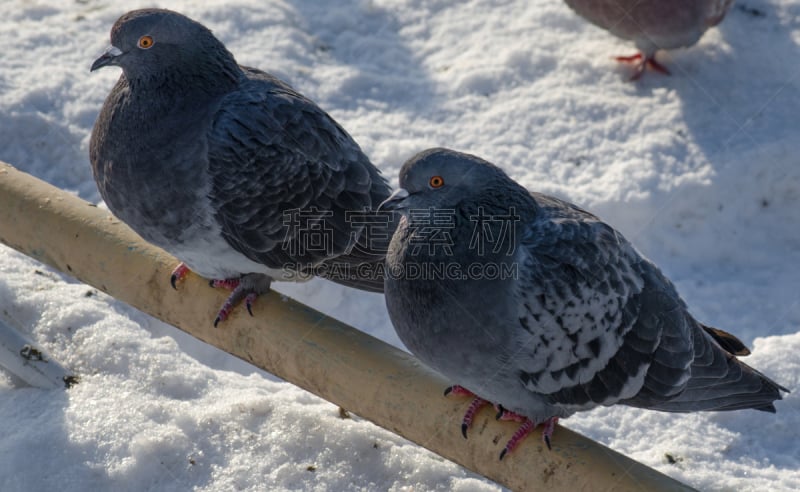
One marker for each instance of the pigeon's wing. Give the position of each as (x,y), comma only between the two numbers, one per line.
(607,327)
(578,301)
(286,179)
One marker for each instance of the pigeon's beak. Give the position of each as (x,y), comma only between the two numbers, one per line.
(107,58)
(395,200)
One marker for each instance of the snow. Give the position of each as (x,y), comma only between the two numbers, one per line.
(699,170)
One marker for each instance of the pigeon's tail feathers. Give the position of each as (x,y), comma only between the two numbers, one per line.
(363,267)
(726,340)
(718,381)
(367,285)
(742,387)
(362,276)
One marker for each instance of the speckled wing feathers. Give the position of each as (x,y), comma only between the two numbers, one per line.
(578,294)
(612,329)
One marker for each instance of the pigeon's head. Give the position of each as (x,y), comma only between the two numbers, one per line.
(149,42)
(443,178)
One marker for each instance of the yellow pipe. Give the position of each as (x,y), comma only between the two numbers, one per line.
(330,359)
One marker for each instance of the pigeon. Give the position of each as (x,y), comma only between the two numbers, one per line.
(228,168)
(653,24)
(539,307)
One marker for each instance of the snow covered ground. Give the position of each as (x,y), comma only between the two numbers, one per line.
(700,170)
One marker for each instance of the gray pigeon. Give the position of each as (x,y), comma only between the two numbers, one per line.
(653,24)
(538,306)
(228,168)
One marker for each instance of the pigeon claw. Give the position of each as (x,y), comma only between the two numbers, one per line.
(548,426)
(179,273)
(547,430)
(246,288)
(237,295)
(642,62)
(249,300)
(629,59)
(458,390)
(527,426)
(228,283)
(503,414)
(474,407)
(654,65)
(226,309)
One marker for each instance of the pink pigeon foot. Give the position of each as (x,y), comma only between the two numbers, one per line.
(642,62)
(475,405)
(548,426)
(502,414)
(247,287)
(179,273)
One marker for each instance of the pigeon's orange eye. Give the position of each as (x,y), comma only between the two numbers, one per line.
(146,42)
(436,182)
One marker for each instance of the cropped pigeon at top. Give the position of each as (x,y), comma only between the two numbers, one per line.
(653,24)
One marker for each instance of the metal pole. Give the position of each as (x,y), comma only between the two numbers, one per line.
(330,359)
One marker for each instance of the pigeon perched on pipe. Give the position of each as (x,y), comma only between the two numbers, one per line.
(533,304)
(228,168)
